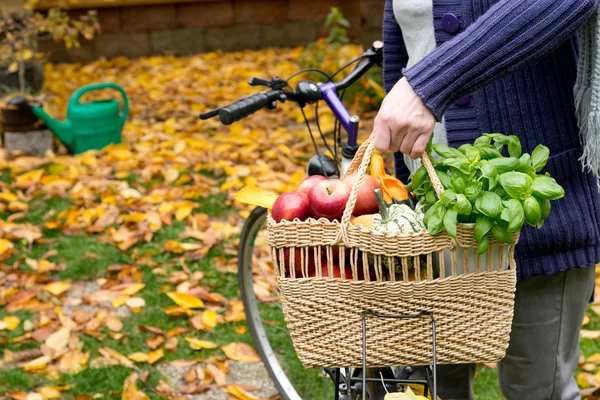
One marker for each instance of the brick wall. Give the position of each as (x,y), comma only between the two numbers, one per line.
(228,25)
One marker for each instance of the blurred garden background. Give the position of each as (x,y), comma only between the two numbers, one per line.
(118,267)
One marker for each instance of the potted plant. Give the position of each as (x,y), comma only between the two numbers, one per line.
(21,72)
(494,193)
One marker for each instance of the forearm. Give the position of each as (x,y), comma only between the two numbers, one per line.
(510,35)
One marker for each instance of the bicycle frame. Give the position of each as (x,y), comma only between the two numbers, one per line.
(348,382)
(349,123)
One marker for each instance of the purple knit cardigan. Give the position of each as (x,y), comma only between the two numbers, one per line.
(512,64)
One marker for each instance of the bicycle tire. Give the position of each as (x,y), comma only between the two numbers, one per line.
(253,223)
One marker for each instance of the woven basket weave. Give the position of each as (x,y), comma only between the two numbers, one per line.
(400,273)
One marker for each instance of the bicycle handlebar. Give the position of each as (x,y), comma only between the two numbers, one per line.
(246,106)
(305,92)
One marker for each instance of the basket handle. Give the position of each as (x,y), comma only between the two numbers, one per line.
(361,163)
(435,180)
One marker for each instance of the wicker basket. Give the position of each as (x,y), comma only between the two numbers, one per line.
(401,273)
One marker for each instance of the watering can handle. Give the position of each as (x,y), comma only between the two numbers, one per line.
(99,86)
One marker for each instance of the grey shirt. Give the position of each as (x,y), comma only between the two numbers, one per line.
(415,18)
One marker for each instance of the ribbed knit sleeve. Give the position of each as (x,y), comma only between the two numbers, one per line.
(510,35)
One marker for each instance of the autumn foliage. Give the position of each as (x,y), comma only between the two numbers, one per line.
(161,205)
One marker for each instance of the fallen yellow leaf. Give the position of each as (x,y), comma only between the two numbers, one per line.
(589,334)
(57,288)
(235,311)
(26,54)
(183,212)
(8,197)
(5,245)
(239,393)
(155,342)
(59,340)
(133,289)
(198,344)
(115,355)
(185,300)
(209,319)
(156,355)
(139,357)
(119,301)
(176,311)
(170,175)
(585,380)
(135,302)
(10,322)
(16,206)
(240,352)
(37,364)
(594,358)
(172,343)
(216,373)
(114,324)
(256,196)
(131,392)
(241,329)
(135,217)
(586,320)
(397,396)
(50,392)
(176,331)
(45,266)
(173,246)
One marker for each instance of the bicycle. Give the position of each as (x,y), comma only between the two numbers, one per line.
(348,383)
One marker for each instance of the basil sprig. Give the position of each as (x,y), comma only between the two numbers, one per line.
(498,193)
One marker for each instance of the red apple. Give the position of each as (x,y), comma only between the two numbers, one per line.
(337,272)
(366,201)
(298,261)
(328,199)
(289,206)
(309,182)
(335,253)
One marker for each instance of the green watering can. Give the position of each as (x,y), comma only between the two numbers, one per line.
(89,125)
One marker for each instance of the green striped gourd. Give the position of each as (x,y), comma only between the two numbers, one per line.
(396,217)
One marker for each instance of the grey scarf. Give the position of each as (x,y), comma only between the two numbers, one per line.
(587,96)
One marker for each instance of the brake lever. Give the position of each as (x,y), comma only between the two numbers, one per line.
(276,83)
(259,82)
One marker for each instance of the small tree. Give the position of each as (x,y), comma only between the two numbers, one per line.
(338,27)
(19,35)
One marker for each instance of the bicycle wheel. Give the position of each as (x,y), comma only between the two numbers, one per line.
(264,316)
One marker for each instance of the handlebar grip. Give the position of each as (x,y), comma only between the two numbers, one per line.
(244,107)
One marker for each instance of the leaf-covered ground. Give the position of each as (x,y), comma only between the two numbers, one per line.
(118,274)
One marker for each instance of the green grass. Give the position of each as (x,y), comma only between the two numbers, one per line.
(74,252)
(107,382)
(213,206)
(40,208)
(486,384)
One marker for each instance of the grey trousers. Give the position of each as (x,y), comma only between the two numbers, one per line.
(544,342)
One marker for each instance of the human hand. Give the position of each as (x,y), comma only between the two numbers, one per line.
(403,122)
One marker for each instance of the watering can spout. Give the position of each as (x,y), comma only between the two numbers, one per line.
(62,130)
